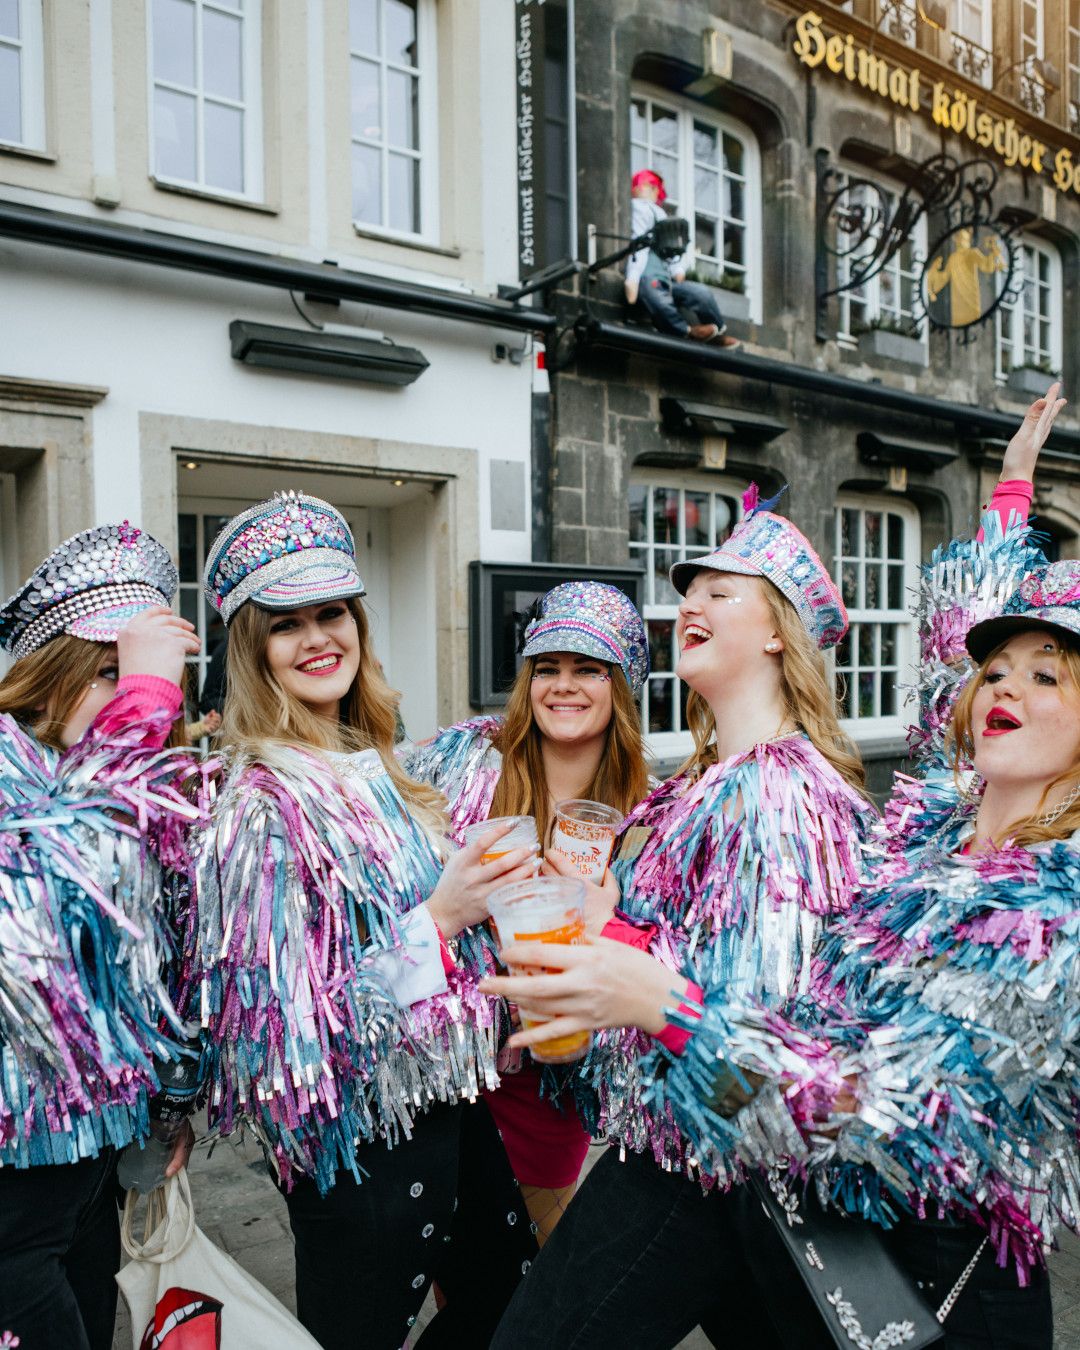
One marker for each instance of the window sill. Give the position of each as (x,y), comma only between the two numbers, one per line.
(27,152)
(404,241)
(209,195)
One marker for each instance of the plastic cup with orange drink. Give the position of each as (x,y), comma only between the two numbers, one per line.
(523,835)
(543,909)
(584,834)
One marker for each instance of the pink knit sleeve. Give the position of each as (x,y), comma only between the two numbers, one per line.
(1011,498)
(675,1038)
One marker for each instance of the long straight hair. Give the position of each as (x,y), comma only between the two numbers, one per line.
(621,779)
(960,744)
(43,690)
(809,699)
(260,716)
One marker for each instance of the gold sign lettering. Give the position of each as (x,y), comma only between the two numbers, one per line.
(953,110)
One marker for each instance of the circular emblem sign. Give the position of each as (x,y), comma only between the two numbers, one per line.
(966,276)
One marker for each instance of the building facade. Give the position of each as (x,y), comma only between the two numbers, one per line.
(756,115)
(163,166)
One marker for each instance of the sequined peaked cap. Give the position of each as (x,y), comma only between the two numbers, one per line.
(289,551)
(1047,598)
(591,619)
(766,545)
(89,586)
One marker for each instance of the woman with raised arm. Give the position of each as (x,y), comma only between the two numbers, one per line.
(572,729)
(338,1019)
(734,864)
(92,805)
(935,1071)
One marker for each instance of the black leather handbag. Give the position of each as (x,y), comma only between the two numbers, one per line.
(865,1299)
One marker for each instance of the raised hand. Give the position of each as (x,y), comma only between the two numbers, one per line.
(1022,451)
(460,898)
(156,642)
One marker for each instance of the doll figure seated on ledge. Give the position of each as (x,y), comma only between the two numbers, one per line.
(661,284)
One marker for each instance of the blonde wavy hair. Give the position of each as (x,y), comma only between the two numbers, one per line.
(621,780)
(809,699)
(262,719)
(43,690)
(960,745)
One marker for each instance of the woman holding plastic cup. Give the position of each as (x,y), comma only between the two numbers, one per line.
(571,731)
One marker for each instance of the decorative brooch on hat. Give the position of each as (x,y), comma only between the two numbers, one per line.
(90,586)
(289,551)
(591,619)
(766,545)
(1048,597)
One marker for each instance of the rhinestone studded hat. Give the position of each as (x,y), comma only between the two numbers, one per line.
(1047,598)
(766,545)
(591,619)
(90,586)
(287,552)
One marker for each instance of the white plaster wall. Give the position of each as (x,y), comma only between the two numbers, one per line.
(159,341)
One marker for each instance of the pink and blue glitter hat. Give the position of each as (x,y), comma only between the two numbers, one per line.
(592,619)
(90,586)
(287,552)
(766,545)
(1048,598)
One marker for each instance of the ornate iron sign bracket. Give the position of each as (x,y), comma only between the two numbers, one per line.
(861,226)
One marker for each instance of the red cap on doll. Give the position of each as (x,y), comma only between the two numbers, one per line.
(648,176)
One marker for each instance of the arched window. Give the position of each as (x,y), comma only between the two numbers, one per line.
(712,172)
(875,564)
(1029,324)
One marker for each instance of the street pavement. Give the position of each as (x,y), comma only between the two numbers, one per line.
(239,1209)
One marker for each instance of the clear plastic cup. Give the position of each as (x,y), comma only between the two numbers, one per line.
(523,835)
(545,909)
(584,834)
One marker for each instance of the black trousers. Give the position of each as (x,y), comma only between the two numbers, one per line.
(641,1257)
(366,1254)
(59,1253)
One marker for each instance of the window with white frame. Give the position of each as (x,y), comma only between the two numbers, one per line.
(888,299)
(1029,323)
(206,95)
(392,56)
(972,39)
(22,74)
(875,562)
(672,518)
(712,173)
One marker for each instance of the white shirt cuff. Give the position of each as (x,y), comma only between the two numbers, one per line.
(414,970)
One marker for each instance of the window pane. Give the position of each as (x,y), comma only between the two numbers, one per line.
(843,652)
(896,587)
(189,604)
(366,117)
(660,705)
(705,139)
(665,130)
(723,518)
(733,245)
(696,519)
(872,525)
(896,536)
(734,199)
(665,516)
(639,128)
(888,694)
(663,591)
(366,185)
(668,169)
(733,155)
(707,190)
(888,643)
(849,584)
(174,135)
(401,110)
(843,694)
(399,19)
(866,695)
(174,41)
(9,20)
(190,567)
(873,587)
(363,26)
(223,72)
(662,644)
(639,498)
(10,95)
(705,236)
(849,532)
(224,153)
(866,644)
(404,194)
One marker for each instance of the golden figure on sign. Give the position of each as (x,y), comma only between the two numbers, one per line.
(961,272)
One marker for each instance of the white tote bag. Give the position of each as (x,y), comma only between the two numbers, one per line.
(186,1294)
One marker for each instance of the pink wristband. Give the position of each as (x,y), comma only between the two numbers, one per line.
(675,1038)
(619,930)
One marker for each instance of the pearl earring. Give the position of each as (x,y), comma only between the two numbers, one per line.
(770,646)
(93,684)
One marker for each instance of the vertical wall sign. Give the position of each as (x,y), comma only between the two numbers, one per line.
(529,20)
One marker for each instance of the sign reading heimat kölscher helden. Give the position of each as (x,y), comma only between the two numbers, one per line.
(952,109)
(529,62)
